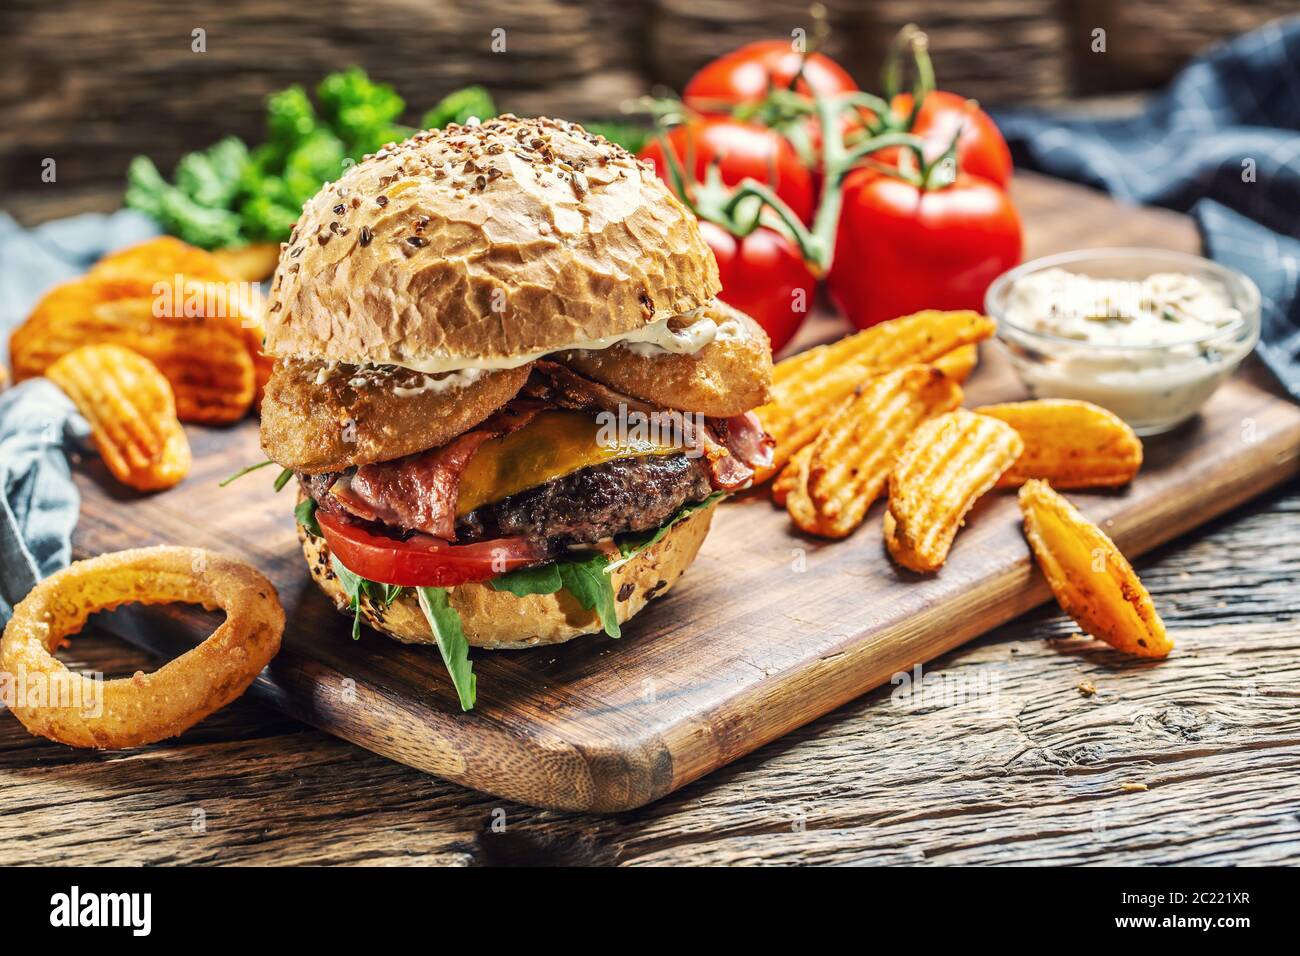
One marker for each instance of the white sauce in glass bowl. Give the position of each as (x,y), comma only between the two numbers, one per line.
(1151,350)
(1162,309)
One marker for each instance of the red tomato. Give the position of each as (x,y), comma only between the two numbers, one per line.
(981,150)
(744,76)
(763,276)
(900,250)
(422,560)
(744,150)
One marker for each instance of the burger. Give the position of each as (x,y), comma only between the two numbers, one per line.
(506,387)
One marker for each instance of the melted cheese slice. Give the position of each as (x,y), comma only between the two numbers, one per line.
(556,443)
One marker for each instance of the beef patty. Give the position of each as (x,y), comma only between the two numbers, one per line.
(628,494)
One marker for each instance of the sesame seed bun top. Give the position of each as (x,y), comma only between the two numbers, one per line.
(484,242)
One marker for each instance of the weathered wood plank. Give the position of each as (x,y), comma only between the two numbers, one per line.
(274,792)
(1031,774)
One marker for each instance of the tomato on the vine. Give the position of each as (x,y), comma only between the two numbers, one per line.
(764,276)
(901,249)
(981,150)
(743,151)
(745,75)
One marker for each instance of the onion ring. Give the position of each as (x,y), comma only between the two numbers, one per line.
(133,711)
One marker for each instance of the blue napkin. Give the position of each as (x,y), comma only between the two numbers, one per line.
(1223,143)
(40,502)
(38,423)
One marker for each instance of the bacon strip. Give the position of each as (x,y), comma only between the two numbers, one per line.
(744,437)
(420,491)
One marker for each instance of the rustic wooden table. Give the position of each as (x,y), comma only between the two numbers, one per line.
(1029,745)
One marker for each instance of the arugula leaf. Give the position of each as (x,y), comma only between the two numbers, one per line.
(243,471)
(542,580)
(306,515)
(593,589)
(352,584)
(282,478)
(384,594)
(634,544)
(589,580)
(583,578)
(459,106)
(446,626)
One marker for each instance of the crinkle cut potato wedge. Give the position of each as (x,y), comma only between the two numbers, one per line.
(161,258)
(798,503)
(852,457)
(959,363)
(131,412)
(1092,581)
(789,477)
(1070,443)
(949,462)
(808,387)
(206,359)
(165,258)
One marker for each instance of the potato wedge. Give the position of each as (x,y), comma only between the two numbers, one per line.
(949,462)
(194,334)
(852,457)
(1092,581)
(131,411)
(786,481)
(807,388)
(959,363)
(1072,444)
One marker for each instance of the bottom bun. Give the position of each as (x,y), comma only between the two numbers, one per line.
(499,620)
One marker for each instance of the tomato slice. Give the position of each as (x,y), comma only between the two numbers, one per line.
(423,560)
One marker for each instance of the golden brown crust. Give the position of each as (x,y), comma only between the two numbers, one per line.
(728,376)
(144,708)
(501,621)
(483,242)
(353,419)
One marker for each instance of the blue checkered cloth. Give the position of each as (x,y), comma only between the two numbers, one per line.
(38,424)
(1223,143)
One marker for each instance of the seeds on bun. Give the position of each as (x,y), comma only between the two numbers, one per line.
(484,243)
(506,387)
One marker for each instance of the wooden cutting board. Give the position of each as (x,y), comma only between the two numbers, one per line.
(766,631)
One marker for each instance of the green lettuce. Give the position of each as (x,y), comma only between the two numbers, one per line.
(305,512)
(231,194)
(445,623)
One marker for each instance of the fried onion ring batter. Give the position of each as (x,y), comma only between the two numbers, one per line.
(132,711)
(318,418)
(727,377)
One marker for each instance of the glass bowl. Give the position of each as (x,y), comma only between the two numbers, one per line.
(1153,387)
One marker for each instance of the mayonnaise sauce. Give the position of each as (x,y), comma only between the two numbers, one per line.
(1162,309)
(1151,350)
(683,334)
